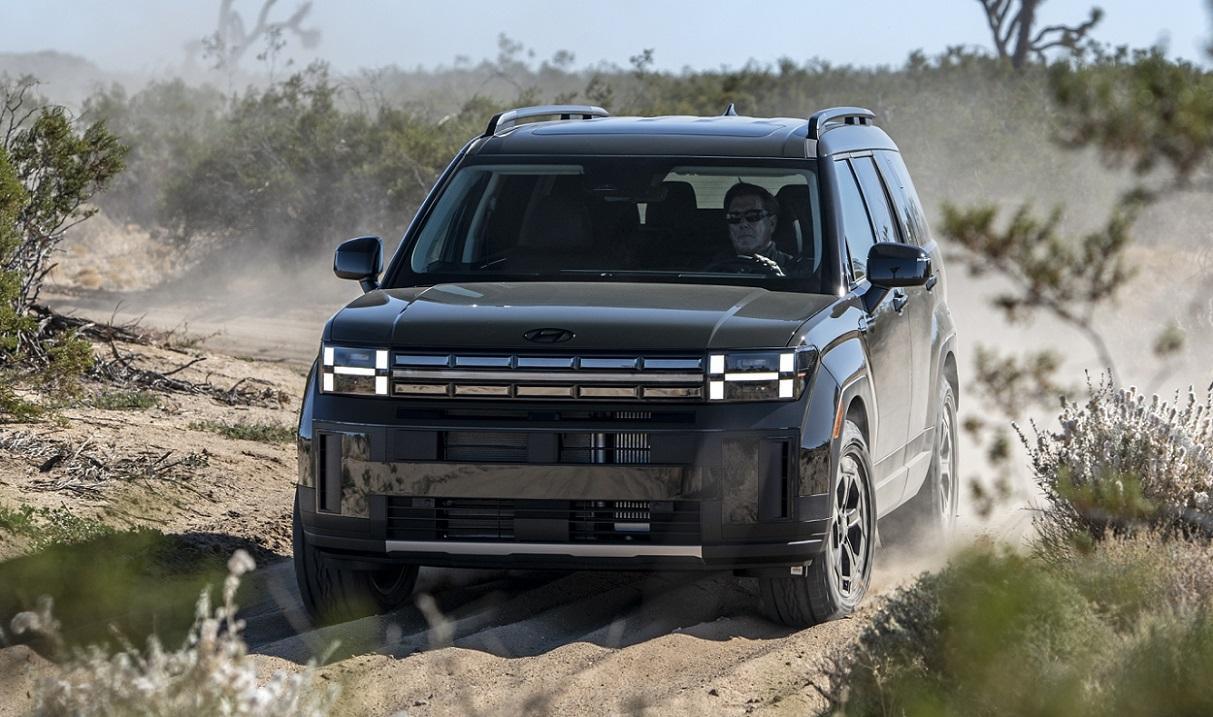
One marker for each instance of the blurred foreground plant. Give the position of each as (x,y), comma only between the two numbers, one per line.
(1125,629)
(210,674)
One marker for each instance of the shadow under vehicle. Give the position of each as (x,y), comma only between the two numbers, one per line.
(567,364)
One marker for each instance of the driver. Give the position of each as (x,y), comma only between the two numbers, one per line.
(752,212)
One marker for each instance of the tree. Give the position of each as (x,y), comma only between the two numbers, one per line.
(49,170)
(231,40)
(1140,109)
(1012,23)
(60,169)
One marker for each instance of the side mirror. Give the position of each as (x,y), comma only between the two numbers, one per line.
(360,259)
(896,265)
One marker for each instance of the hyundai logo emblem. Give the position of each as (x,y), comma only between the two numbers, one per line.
(548,336)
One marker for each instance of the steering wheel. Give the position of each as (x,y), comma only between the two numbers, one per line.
(746,264)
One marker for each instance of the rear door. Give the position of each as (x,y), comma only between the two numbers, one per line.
(887,337)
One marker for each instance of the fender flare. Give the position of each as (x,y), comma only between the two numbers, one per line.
(842,376)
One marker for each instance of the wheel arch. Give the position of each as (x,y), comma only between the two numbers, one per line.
(945,367)
(841,388)
(857,413)
(951,374)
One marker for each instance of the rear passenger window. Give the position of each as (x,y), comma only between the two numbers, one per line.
(854,218)
(878,203)
(905,199)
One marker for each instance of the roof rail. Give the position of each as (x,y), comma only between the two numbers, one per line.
(846,115)
(505,120)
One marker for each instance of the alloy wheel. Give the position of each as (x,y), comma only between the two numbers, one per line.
(850,538)
(946,469)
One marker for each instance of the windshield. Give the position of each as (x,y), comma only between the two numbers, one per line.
(696,220)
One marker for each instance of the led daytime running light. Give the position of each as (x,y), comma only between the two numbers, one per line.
(347,370)
(740,375)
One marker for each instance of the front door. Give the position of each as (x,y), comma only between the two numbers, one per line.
(887,337)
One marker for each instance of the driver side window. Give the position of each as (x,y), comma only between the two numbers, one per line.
(853,216)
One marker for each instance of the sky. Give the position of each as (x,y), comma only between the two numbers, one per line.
(150,35)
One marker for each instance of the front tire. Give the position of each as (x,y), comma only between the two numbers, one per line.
(836,581)
(332,594)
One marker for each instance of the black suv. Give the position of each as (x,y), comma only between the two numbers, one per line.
(636,343)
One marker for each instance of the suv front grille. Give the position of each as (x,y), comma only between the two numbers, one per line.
(512,447)
(511,376)
(619,448)
(485,447)
(510,520)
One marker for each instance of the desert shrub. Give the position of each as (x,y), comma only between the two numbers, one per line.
(46,527)
(1121,462)
(248,431)
(211,673)
(943,645)
(1117,631)
(167,125)
(1165,669)
(1131,578)
(290,168)
(1138,108)
(124,400)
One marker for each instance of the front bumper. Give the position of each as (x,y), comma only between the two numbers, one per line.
(527,489)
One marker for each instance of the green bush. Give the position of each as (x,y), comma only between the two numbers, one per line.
(124,400)
(49,527)
(947,644)
(105,582)
(246,431)
(1125,629)
(287,169)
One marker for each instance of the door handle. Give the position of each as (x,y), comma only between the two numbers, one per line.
(932,280)
(899,300)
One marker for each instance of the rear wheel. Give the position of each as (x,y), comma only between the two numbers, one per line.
(332,594)
(836,581)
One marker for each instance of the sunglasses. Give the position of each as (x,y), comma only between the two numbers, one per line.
(751,216)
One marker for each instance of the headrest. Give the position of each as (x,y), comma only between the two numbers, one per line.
(556,222)
(794,195)
(794,232)
(614,218)
(677,207)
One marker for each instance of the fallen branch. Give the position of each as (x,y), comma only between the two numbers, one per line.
(121,371)
(86,468)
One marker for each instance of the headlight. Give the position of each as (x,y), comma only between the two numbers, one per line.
(774,375)
(358,371)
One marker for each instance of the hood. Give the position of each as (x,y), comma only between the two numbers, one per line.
(600,316)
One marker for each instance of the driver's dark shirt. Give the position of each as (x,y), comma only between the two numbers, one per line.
(787,263)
